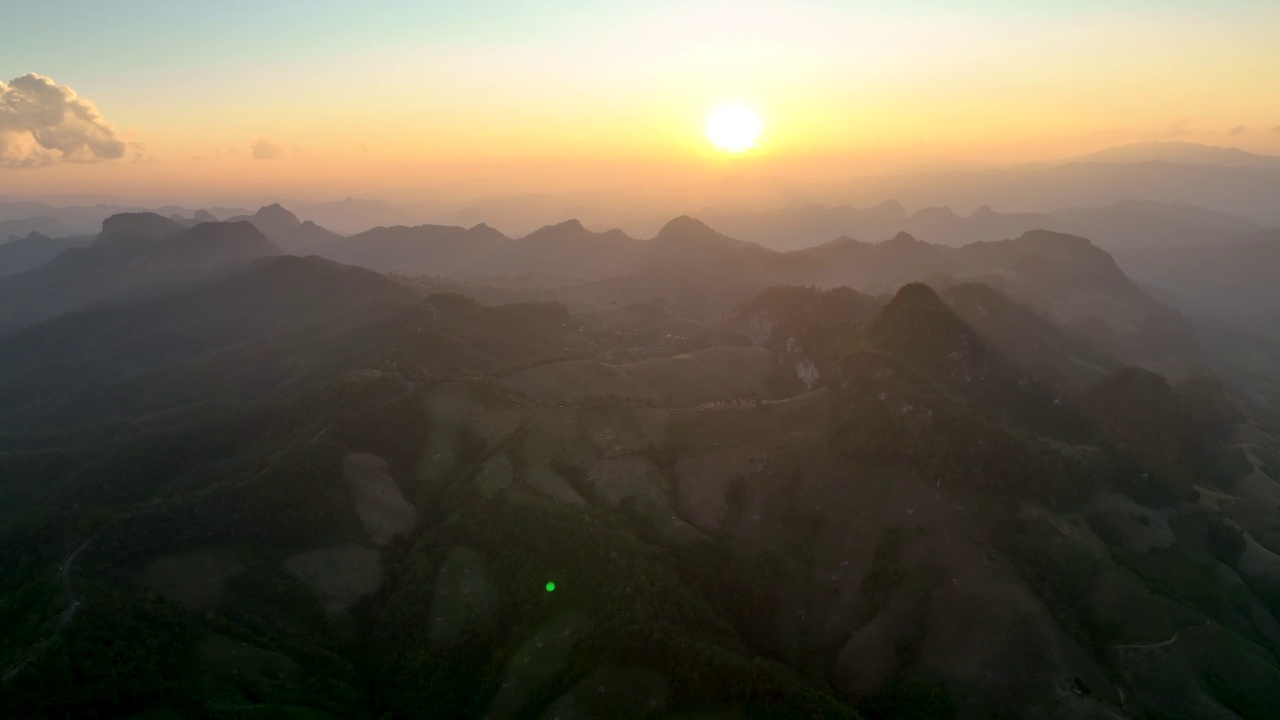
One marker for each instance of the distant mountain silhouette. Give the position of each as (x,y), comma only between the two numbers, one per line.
(1056,263)
(87,219)
(134,251)
(22,254)
(1185,153)
(1238,282)
(20,228)
(800,227)
(1123,224)
(354,215)
(290,234)
(566,249)
(272,323)
(1144,223)
(687,245)
(685,241)
(691,232)
(135,233)
(1063,276)
(1247,191)
(270,219)
(1082,288)
(421,250)
(982,224)
(212,243)
(274,311)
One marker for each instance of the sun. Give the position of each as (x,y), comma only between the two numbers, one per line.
(734,128)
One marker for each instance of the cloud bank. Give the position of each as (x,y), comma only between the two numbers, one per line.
(42,123)
(267,150)
(1181,128)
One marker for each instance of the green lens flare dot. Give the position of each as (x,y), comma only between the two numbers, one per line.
(551,587)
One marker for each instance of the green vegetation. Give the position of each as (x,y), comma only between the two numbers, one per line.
(1169,434)
(628,594)
(889,413)
(929,479)
(1225,541)
(909,700)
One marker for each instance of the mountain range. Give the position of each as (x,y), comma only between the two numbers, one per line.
(1122,225)
(134,252)
(1142,178)
(252,466)
(1064,276)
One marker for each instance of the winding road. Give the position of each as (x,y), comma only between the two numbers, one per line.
(68,613)
(1163,643)
(73,602)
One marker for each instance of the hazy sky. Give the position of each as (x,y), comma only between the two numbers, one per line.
(404,99)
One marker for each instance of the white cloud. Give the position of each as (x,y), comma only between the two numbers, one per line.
(42,123)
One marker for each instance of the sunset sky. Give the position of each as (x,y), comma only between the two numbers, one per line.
(401,99)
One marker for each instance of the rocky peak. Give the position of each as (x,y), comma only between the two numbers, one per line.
(135,232)
(216,242)
(903,239)
(276,214)
(686,229)
(935,214)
